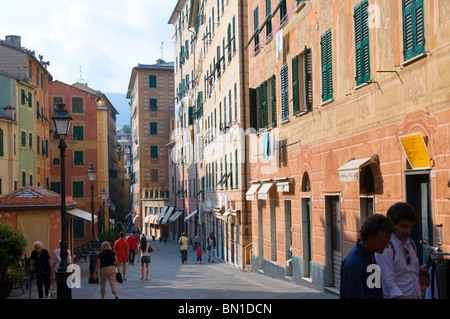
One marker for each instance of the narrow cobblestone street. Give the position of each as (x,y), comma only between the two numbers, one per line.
(169,279)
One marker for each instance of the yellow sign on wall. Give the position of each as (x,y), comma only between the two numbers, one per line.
(416,151)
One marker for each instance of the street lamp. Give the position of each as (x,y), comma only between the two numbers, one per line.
(61,120)
(92,175)
(103,196)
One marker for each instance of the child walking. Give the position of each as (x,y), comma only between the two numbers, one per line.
(199,255)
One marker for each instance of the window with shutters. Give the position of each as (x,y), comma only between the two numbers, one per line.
(268,18)
(77,189)
(273,99)
(154,104)
(153,151)
(362,55)
(413,28)
(152,81)
(78,158)
(256,28)
(77,105)
(302,82)
(326,64)
(78,133)
(284,93)
(262,106)
(153,128)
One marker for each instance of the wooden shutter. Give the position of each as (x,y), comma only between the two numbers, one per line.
(295,88)
(327,75)
(273,99)
(253,113)
(263,105)
(413,28)
(307,65)
(361,17)
(284,93)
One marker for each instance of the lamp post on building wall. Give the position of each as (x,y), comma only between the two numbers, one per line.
(92,175)
(61,120)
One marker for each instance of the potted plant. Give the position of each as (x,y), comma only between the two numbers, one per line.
(12,249)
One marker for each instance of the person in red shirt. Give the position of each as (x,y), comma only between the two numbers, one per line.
(132,242)
(121,248)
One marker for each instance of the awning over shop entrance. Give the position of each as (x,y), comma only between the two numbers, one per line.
(350,171)
(262,193)
(161,215)
(167,215)
(190,215)
(76,212)
(175,215)
(250,195)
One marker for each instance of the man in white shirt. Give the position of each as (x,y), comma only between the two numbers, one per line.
(399,264)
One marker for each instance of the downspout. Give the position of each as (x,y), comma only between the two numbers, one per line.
(243,108)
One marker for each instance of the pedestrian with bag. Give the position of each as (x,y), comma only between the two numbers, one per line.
(144,250)
(121,248)
(183,241)
(399,263)
(107,262)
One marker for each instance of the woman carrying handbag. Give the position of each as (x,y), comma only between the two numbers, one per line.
(107,262)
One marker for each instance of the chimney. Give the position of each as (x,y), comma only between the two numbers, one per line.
(14,41)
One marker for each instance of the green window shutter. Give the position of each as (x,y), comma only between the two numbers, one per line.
(152,81)
(273,99)
(78,228)
(256,27)
(263,105)
(190,115)
(153,151)
(1,143)
(234,34)
(78,158)
(307,64)
(327,75)
(55,187)
(153,128)
(413,28)
(361,17)
(237,170)
(78,189)
(78,133)
(284,94)
(253,113)
(295,88)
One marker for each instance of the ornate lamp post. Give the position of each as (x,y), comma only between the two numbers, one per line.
(92,175)
(61,120)
(103,196)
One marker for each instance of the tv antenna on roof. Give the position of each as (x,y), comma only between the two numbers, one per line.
(81,76)
(162,47)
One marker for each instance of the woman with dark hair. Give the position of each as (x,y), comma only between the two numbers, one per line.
(144,250)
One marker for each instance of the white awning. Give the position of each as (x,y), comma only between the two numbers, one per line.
(161,215)
(147,219)
(225,215)
(175,216)
(76,212)
(262,193)
(282,184)
(190,215)
(350,170)
(250,195)
(167,215)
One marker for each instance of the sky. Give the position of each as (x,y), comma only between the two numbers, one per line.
(97,42)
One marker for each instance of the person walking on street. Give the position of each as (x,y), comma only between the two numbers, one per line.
(199,255)
(183,241)
(211,247)
(356,267)
(132,242)
(40,263)
(399,263)
(121,248)
(144,250)
(107,262)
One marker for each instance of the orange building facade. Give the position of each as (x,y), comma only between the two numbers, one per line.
(350,108)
